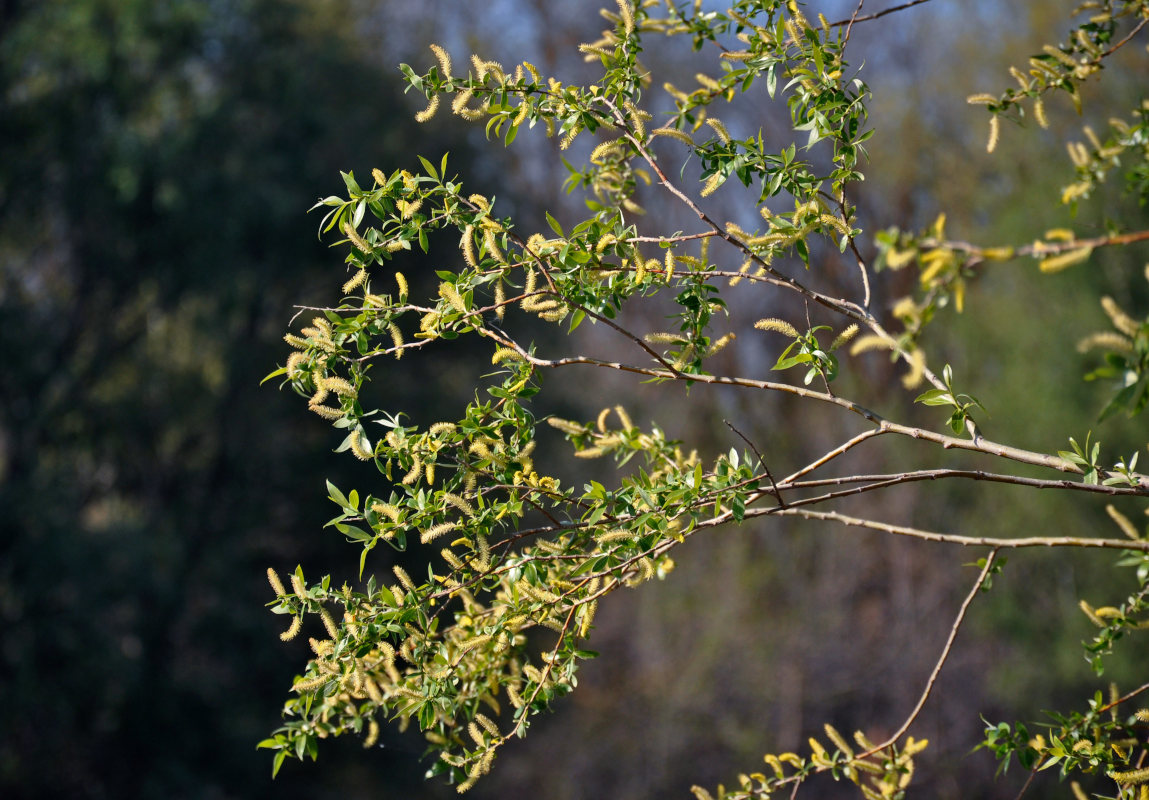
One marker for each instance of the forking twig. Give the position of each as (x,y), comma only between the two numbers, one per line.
(761,460)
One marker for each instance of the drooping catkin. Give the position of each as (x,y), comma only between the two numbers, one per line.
(293,631)
(994,132)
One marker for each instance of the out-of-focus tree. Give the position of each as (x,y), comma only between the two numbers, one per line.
(155,159)
(463,653)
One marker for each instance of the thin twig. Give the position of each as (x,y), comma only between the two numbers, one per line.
(971,474)
(877,14)
(952,538)
(761,460)
(850,27)
(837,451)
(985,573)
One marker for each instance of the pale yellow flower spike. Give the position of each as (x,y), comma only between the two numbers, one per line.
(673,134)
(917,360)
(276,583)
(360,446)
(1039,113)
(500,300)
(994,131)
(778,325)
(396,339)
(719,128)
(1065,260)
(357,280)
(429,111)
(444,59)
(627,16)
(1122,522)
(467,242)
(844,336)
(1121,321)
(293,631)
(712,184)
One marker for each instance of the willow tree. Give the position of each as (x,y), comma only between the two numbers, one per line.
(494,633)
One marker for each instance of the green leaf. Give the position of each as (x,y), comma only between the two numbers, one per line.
(270,375)
(336,495)
(554,223)
(430,168)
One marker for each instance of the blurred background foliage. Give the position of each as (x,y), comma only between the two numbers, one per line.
(156,161)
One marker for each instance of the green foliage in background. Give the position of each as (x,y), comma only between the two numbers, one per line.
(496,629)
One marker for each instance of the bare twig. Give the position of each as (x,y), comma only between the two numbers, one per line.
(878,14)
(850,27)
(761,460)
(837,451)
(985,573)
(952,538)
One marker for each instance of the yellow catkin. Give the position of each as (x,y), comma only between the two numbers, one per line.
(459,503)
(355,238)
(414,473)
(403,577)
(1107,340)
(505,354)
(361,446)
(1039,113)
(436,531)
(1131,778)
(467,243)
(500,299)
(356,280)
(917,359)
(449,293)
(1121,321)
(778,325)
(1122,522)
(603,150)
(673,134)
(566,426)
(396,339)
(844,336)
(994,132)
(981,99)
(340,386)
(719,128)
(712,184)
(452,560)
(721,343)
(276,583)
(839,741)
(493,246)
(308,684)
(372,731)
(293,631)
(444,59)
(327,412)
(1065,260)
